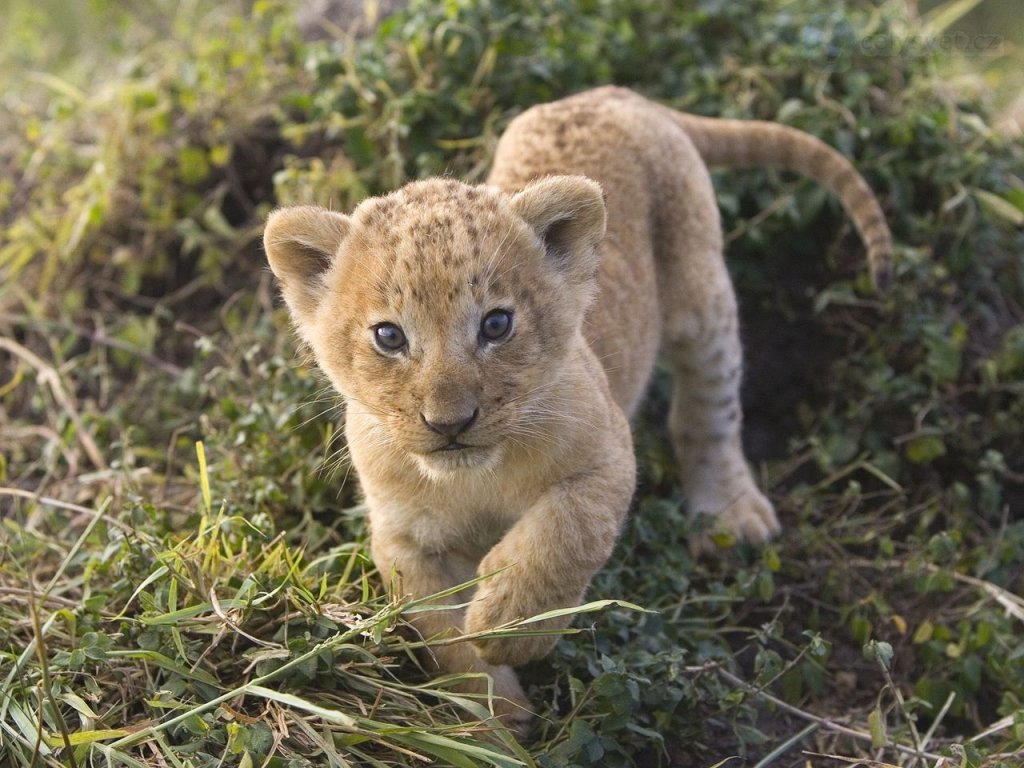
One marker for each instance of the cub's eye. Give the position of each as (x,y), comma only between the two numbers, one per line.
(496,325)
(388,337)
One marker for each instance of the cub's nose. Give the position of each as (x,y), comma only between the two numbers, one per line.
(451,428)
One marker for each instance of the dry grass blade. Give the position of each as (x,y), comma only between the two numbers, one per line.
(824,722)
(48,375)
(1011,603)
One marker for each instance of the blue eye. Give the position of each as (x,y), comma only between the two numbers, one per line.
(389,337)
(496,325)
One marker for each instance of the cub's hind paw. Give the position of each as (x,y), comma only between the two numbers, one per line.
(510,706)
(515,717)
(746,515)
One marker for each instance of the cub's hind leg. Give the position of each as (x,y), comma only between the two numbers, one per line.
(705,423)
(701,341)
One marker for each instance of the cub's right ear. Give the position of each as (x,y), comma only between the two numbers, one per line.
(301,244)
(568,214)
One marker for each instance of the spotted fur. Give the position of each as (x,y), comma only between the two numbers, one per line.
(513,459)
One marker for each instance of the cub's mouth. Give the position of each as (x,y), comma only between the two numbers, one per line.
(454,445)
(455,455)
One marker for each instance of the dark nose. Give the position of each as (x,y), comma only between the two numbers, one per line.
(451,428)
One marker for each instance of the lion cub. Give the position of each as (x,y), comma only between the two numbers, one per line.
(491,342)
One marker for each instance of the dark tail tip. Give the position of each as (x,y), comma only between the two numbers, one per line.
(882,279)
(879,248)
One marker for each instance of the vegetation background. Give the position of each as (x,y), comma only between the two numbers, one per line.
(164,603)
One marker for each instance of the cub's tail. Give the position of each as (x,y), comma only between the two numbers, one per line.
(750,143)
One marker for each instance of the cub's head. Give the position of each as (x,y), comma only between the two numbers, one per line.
(443,313)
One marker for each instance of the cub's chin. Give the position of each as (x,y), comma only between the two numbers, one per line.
(445,462)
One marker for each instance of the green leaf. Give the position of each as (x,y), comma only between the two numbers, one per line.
(1000,207)
(592,607)
(170,665)
(1016,197)
(193,165)
(925,449)
(924,632)
(880,651)
(876,726)
(297,702)
(861,627)
(87,737)
(176,617)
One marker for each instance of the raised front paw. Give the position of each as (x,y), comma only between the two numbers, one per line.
(495,687)
(742,511)
(501,600)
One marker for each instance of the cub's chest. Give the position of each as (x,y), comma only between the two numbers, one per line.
(470,517)
(471,532)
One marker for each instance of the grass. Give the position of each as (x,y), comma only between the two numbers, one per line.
(184,579)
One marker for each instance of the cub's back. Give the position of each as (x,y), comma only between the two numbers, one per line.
(648,169)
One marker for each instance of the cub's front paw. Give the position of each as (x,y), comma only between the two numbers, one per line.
(745,513)
(497,604)
(514,651)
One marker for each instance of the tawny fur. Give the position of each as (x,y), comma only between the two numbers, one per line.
(538,497)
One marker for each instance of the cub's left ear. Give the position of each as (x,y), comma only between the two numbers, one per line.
(301,244)
(568,215)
